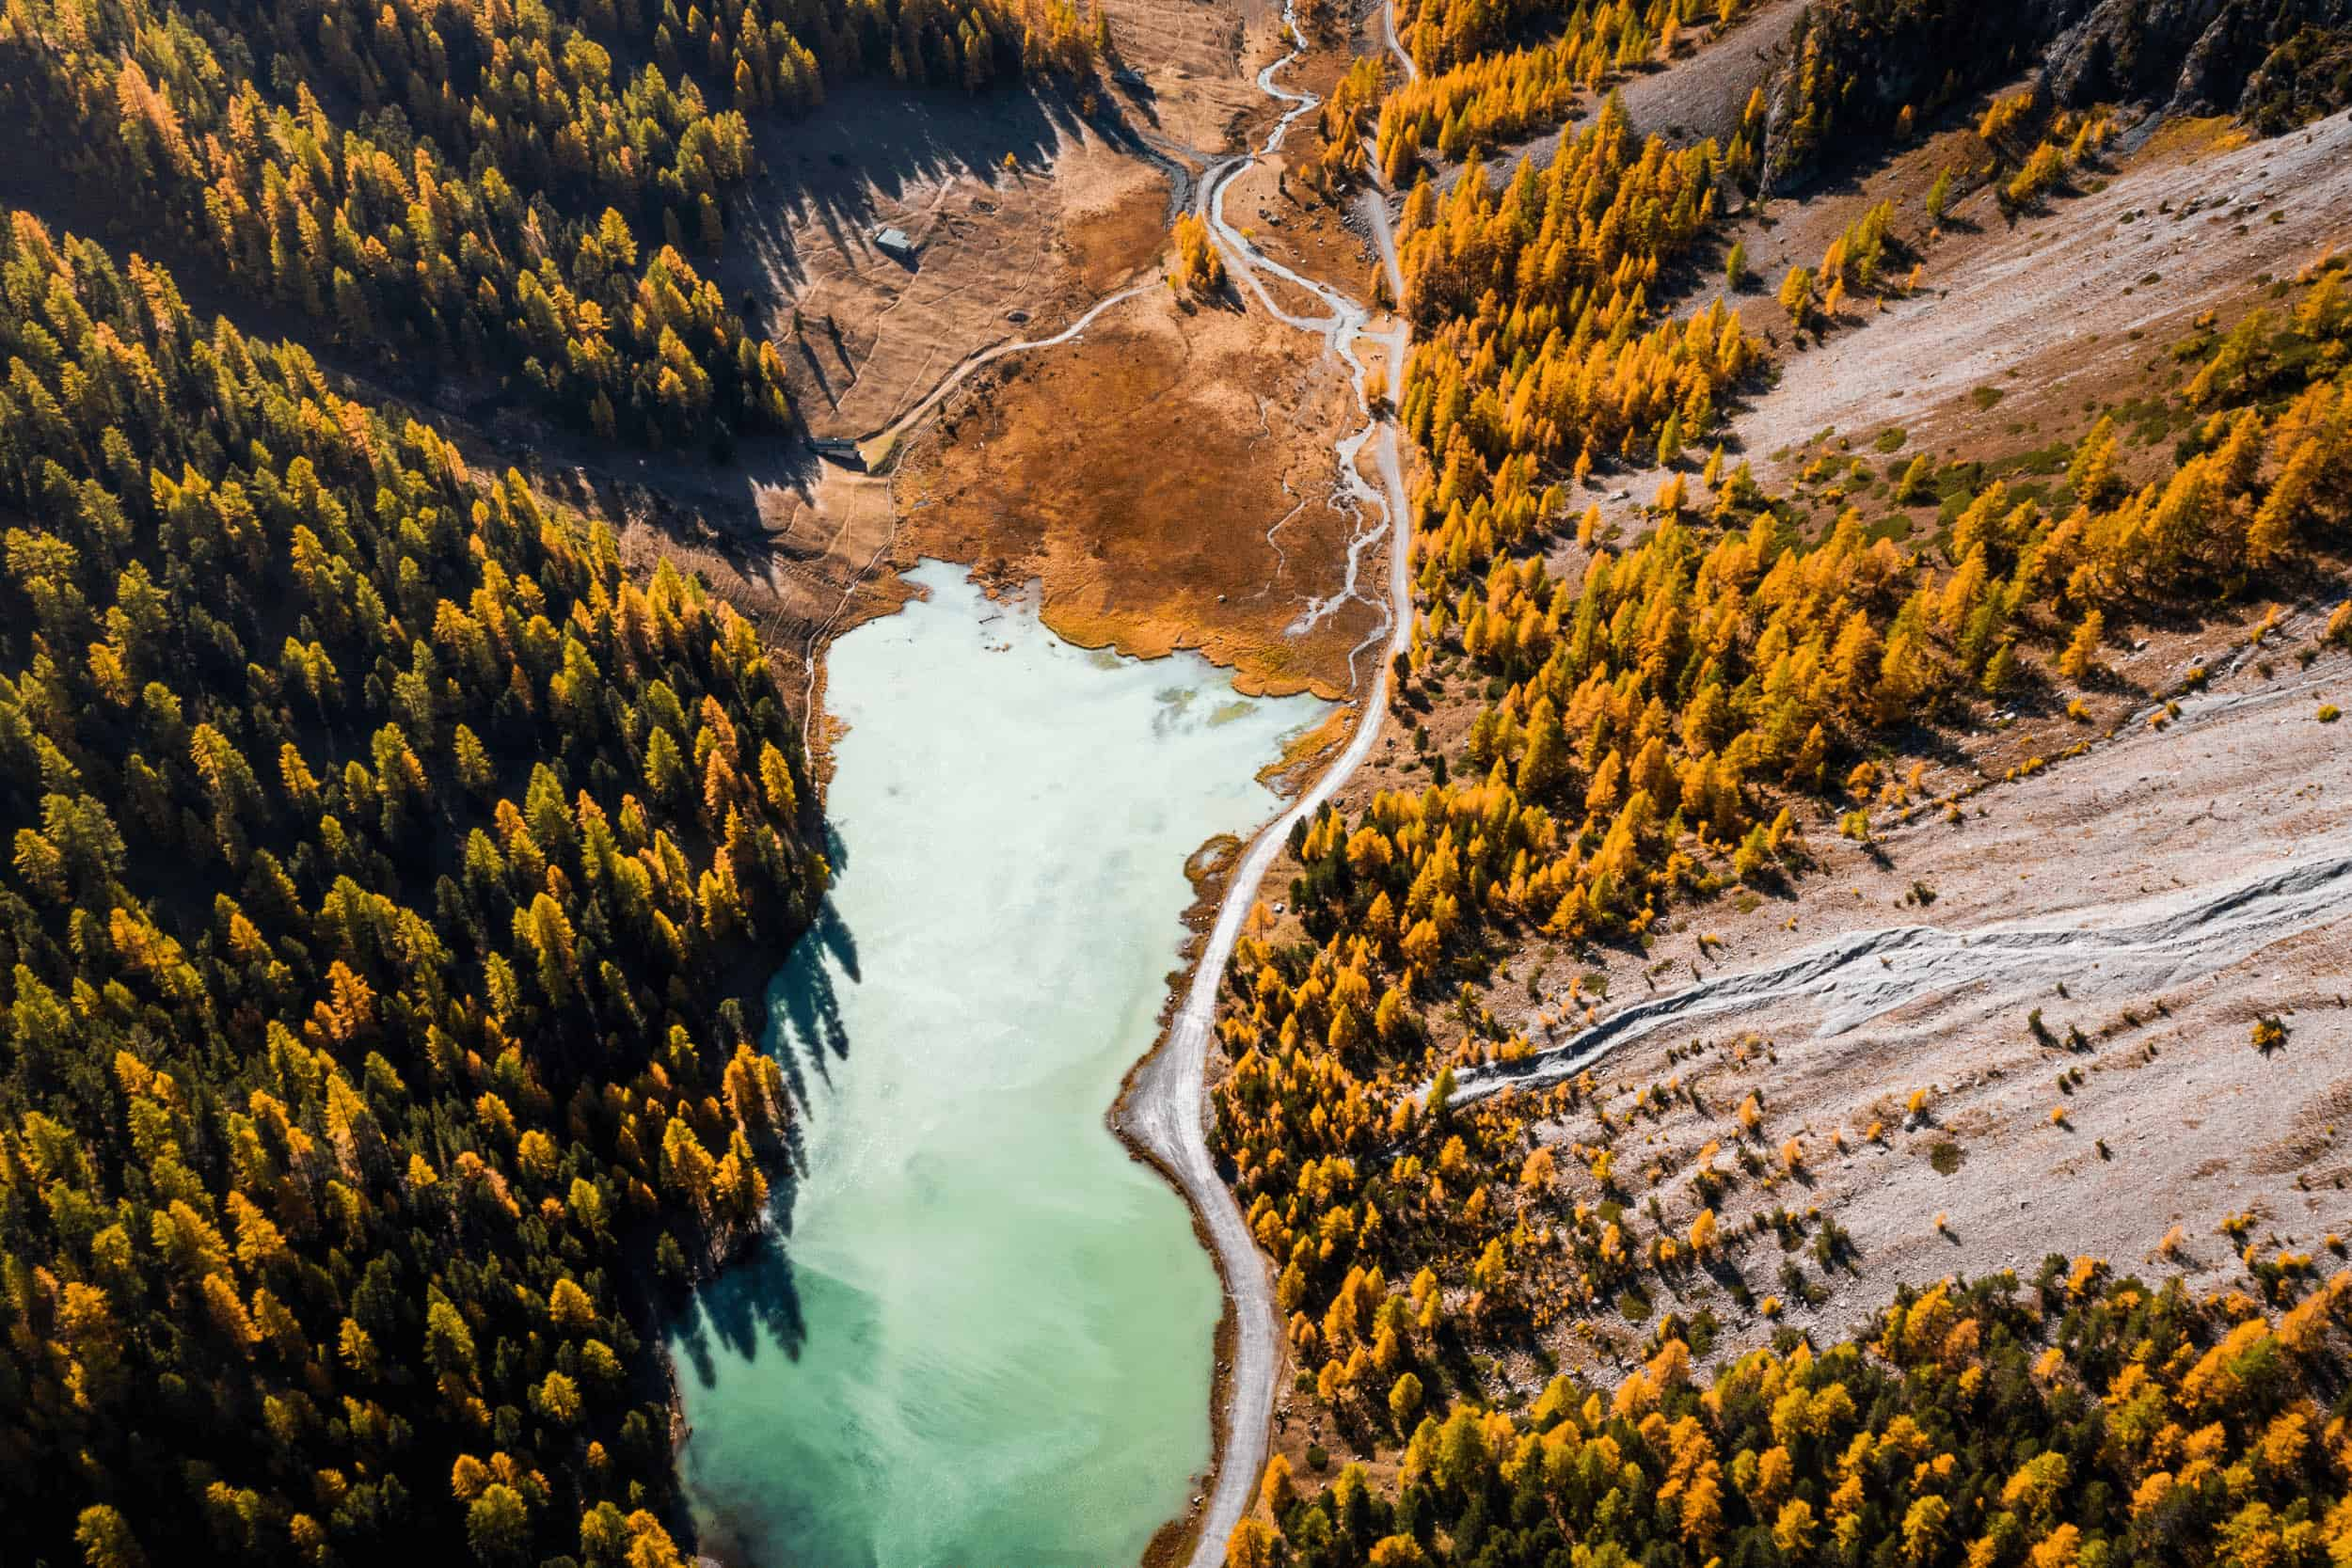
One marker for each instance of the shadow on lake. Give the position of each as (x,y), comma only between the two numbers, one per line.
(972,1306)
(804,1001)
(754,1301)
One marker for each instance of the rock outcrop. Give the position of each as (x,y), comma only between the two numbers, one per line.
(1855,64)
(2185,56)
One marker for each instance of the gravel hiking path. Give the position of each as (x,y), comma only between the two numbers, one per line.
(1164,1110)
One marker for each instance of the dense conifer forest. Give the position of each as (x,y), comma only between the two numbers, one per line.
(391,878)
(385,853)
(2077,1421)
(506,191)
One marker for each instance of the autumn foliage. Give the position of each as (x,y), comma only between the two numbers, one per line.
(497,191)
(2078,1420)
(380,854)
(1641,720)
(1198,268)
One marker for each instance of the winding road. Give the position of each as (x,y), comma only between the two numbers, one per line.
(1165,1106)
(1163,1109)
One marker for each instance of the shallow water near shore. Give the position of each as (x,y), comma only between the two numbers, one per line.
(988,1340)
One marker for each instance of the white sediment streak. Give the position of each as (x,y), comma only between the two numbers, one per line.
(2137,949)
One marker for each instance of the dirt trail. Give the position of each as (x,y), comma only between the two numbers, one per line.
(2136,950)
(878,443)
(1165,1109)
(879,446)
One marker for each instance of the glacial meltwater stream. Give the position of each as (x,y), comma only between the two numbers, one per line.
(988,1342)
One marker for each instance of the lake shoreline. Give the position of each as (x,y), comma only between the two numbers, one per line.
(1174,1542)
(1290,774)
(1301,761)
(1059,1339)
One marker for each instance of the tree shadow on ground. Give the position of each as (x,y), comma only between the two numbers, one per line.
(873,144)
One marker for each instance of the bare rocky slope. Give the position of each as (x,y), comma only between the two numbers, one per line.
(2119,922)
(2097,937)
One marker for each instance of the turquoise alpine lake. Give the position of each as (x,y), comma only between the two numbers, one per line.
(985,1341)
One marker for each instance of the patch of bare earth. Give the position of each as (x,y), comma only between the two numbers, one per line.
(1169,479)
(2171,1117)
(1167,476)
(2055,309)
(1190,57)
(1702,96)
(2021,333)
(867,328)
(1698,95)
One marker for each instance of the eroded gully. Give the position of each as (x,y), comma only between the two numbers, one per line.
(2137,949)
